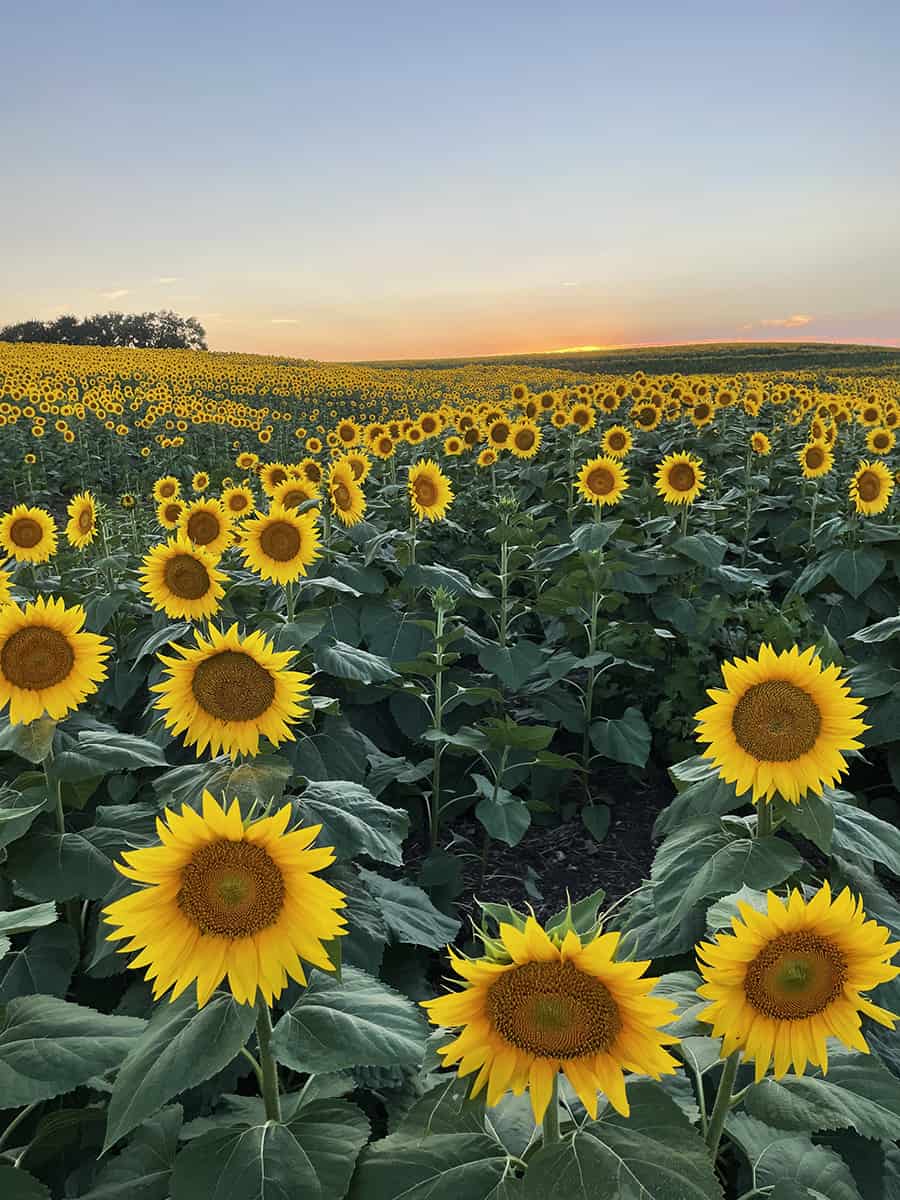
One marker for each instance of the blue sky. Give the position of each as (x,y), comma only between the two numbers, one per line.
(408,179)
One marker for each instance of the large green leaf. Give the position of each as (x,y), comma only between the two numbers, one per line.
(354,1023)
(43,966)
(30,740)
(625,739)
(97,752)
(18,811)
(454,581)
(451,1166)
(18,1184)
(353,821)
(879,632)
(408,913)
(143,1169)
(21,920)
(48,1047)
(505,817)
(857,569)
(512,665)
(181,1047)
(264,1162)
(653,1153)
(61,866)
(347,662)
(858,1093)
(331,1133)
(857,831)
(791,1162)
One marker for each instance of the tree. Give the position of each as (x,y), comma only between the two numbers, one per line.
(164,330)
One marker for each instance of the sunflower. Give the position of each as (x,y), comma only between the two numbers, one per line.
(360,464)
(348,501)
(487,458)
(347,433)
(383,446)
(169,513)
(550,1006)
(429,490)
(206,524)
(167,488)
(280,545)
(81,528)
(880,440)
(48,664)
(870,415)
(519,393)
(702,413)
(781,724)
(182,580)
(311,471)
(227,899)
(246,460)
(602,481)
(760,444)
(5,587)
(815,459)
(617,442)
(271,475)
(525,439)
(583,417)
(871,487)
(28,534)
(127,500)
(646,416)
(498,433)
(679,478)
(228,691)
(453,445)
(785,981)
(294,492)
(200,481)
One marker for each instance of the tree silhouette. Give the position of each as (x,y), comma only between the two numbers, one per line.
(164,330)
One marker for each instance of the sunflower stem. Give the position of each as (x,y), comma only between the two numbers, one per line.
(54,789)
(763,818)
(269,1081)
(722,1105)
(412,539)
(550,1123)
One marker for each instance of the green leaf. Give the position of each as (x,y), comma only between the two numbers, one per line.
(857,831)
(347,662)
(857,569)
(512,665)
(505,733)
(44,966)
(180,1047)
(61,866)
(445,1108)
(451,1166)
(360,1022)
(594,536)
(162,637)
(710,797)
(791,1163)
(48,1047)
(31,740)
(18,811)
(410,916)
(21,920)
(858,1093)
(143,1169)
(720,914)
(596,818)
(879,632)
(97,753)
(707,549)
(353,821)
(331,1133)
(581,916)
(264,1162)
(17,1184)
(454,581)
(653,1153)
(505,817)
(626,739)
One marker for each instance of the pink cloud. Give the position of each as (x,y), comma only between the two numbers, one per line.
(794,322)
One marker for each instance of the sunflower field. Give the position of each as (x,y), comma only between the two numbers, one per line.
(447,783)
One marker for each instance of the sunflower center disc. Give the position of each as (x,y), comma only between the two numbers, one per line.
(525,439)
(342,497)
(36,658)
(553,1010)
(203,528)
(868,486)
(232,686)
(294,499)
(85,520)
(26,532)
(682,477)
(647,416)
(426,492)
(776,721)
(500,433)
(600,481)
(186,577)
(580,417)
(815,456)
(166,490)
(616,441)
(313,472)
(357,468)
(231,889)
(881,441)
(237,503)
(173,512)
(280,540)
(795,976)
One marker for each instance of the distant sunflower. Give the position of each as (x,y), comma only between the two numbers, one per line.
(200,481)
(787,980)
(127,500)
(453,445)
(348,501)
(781,724)
(679,478)
(48,664)
(360,464)
(560,418)
(246,460)
(383,446)
(414,435)
(227,692)
(294,492)
(238,502)
(870,415)
(279,545)
(519,393)
(871,487)
(81,528)
(646,416)
(525,439)
(760,443)
(169,513)
(225,899)
(617,441)
(815,459)
(487,458)
(167,488)
(271,475)
(880,440)
(702,414)
(583,417)
(430,494)
(206,524)
(28,534)
(311,471)
(602,481)
(182,580)
(347,432)
(498,433)
(543,1006)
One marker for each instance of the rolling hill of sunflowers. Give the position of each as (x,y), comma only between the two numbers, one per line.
(290,652)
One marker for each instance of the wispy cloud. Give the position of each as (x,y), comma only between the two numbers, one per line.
(167,279)
(285,321)
(115,294)
(797,321)
(568,284)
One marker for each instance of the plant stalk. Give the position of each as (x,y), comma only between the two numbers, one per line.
(271,1097)
(550,1123)
(722,1105)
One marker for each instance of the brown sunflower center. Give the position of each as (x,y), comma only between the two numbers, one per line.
(868,486)
(85,520)
(815,456)
(294,498)
(357,467)
(167,490)
(172,512)
(232,686)
(203,528)
(26,532)
(600,481)
(701,411)
(581,416)
(499,433)
(795,976)
(647,415)
(429,424)
(682,477)
(186,577)
(616,440)
(313,472)
(36,657)
(525,439)
(238,502)
(553,1010)
(231,889)
(776,721)
(342,497)
(426,492)
(385,445)
(881,441)
(280,540)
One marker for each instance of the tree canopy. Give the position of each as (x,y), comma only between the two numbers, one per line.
(164,330)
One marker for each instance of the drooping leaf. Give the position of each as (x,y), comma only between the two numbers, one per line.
(446,1167)
(408,913)
(353,821)
(264,1162)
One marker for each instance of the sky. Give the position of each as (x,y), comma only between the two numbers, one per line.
(398,180)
